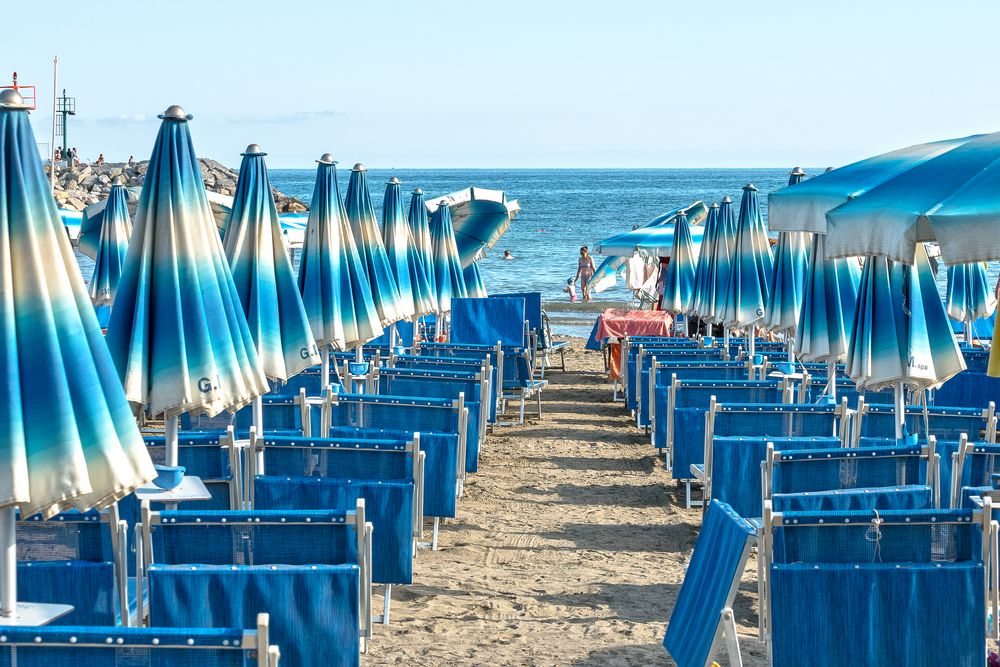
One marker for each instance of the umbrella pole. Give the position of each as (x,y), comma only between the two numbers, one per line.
(170,440)
(831,379)
(725,340)
(900,408)
(752,342)
(8,567)
(324,376)
(968,333)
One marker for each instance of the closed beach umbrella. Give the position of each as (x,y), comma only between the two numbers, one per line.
(92,219)
(901,334)
(177,334)
(474,286)
(69,439)
(969,296)
(786,285)
(263,276)
(421,232)
(404,258)
(702,301)
(678,286)
(364,226)
(116,227)
(747,294)
(449,283)
(725,246)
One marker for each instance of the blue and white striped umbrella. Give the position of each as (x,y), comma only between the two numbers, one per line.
(421,231)
(177,333)
(702,302)
(449,283)
(332,282)
(785,287)
(404,257)
(364,226)
(722,266)
(969,296)
(68,439)
(263,276)
(678,287)
(116,227)
(475,288)
(901,333)
(829,298)
(747,294)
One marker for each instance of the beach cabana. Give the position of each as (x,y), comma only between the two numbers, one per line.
(364,227)
(70,441)
(405,259)
(479,216)
(177,334)
(263,277)
(116,227)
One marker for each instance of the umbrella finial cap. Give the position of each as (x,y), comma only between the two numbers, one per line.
(11,99)
(727,200)
(828,170)
(359,167)
(326,158)
(394,181)
(797,171)
(175,112)
(253,149)
(418,191)
(749,187)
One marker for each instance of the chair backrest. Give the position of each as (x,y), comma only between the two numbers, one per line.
(75,558)
(532,311)
(945,423)
(102,646)
(488,321)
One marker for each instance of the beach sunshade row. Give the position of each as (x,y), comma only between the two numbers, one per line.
(68,438)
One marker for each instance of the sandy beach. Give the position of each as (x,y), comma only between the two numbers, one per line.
(569,547)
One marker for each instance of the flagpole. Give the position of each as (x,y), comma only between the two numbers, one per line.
(52,144)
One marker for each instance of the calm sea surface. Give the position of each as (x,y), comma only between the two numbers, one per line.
(561,210)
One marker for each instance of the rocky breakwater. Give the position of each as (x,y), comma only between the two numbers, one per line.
(86,184)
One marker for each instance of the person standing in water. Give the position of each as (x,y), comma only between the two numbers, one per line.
(585,270)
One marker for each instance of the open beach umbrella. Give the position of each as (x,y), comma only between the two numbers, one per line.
(404,257)
(474,286)
(480,217)
(263,276)
(607,273)
(901,335)
(722,265)
(678,286)
(655,238)
(785,287)
(364,226)
(746,296)
(449,283)
(969,296)
(68,439)
(177,334)
(116,227)
(950,199)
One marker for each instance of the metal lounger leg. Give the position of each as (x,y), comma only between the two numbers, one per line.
(386,603)
(434,538)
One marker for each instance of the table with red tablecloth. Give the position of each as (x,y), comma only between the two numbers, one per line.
(617,323)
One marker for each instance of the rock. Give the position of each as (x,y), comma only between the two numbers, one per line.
(75,204)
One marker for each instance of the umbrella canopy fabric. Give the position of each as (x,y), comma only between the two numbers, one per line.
(722,264)
(901,332)
(92,221)
(177,334)
(803,208)
(950,198)
(475,288)
(421,232)
(364,227)
(785,288)
(607,273)
(702,301)
(116,227)
(69,439)
(263,276)
(678,286)
(480,217)
(332,282)
(449,283)
(829,298)
(656,237)
(404,257)
(747,294)
(969,296)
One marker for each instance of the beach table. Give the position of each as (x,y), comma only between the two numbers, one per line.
(614,324)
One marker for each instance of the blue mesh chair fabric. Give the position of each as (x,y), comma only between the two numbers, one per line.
(944,422)
(488,321)
(716,563)
(914,497)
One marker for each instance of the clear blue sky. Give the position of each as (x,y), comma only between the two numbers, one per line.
(516,83)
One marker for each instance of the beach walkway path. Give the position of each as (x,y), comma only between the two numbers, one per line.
(569,547)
